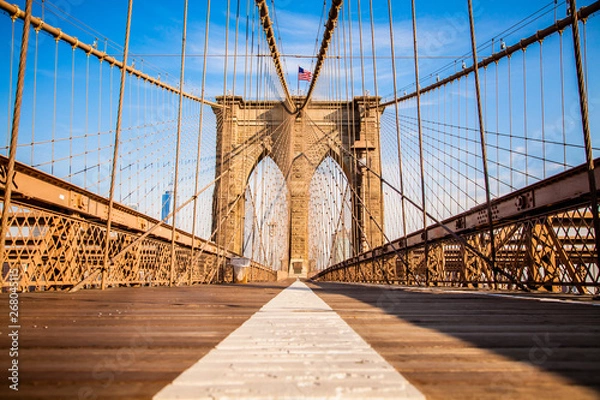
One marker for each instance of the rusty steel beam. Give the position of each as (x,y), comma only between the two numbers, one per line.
(270,36)
(58,34)
(568,189)
(63,225)
(49,192)
(322,55)
(583,13)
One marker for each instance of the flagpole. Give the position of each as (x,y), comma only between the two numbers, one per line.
(298,80)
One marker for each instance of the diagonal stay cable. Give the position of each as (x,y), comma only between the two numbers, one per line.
(362,203)
(439,223)
(95,271)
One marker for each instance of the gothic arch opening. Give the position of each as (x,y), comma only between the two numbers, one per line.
(266,222)
(329,216)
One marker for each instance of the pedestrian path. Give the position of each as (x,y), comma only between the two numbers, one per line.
(295,347)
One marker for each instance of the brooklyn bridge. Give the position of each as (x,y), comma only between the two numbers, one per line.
(299,200)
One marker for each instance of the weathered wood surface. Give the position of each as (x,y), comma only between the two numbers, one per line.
(128,343)
(123,343)
(455,345)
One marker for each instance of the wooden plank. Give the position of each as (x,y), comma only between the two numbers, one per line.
(128,343)
(471,346)
(122,343)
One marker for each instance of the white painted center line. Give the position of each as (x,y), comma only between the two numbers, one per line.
(295,347)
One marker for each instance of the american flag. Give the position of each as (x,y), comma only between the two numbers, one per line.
(304,75)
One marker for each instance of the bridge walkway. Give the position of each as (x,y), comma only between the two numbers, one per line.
(130,343)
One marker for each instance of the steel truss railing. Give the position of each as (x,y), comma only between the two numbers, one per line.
(544,239)
(57,233)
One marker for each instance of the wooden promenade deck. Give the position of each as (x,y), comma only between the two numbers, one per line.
(128,343)
(464,345)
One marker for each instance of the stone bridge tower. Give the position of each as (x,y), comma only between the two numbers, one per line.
(248,131)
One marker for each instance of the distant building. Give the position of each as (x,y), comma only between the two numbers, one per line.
(167,198)
(341,246)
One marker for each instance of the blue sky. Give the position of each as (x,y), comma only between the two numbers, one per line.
(156,32)
(444,43)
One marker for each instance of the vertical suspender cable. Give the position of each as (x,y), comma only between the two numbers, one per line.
(246,67)
(562,98)
(397,120)
(486,176)
(585,58)
(247,194)
(235,50)
(485,93)
(111,193)
(451,141)
(377,122)
(525,131)
(35,71)
(485,100)
(497,131)
(466,145)
(421,161)
(110,96)
(510,124)
(543,108)
(71,114)
(199,150)
(585,125)
(98,136)
(442,162)
(347,250)
(148,173)
(10,76)
(352,130)
(255,233)
(361,170)
(263,193)
(457,147)
(14,134)
(362,57)
(137,95)
(87,114)
(442,137)
(178,145)
(227,111)
(55,109)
